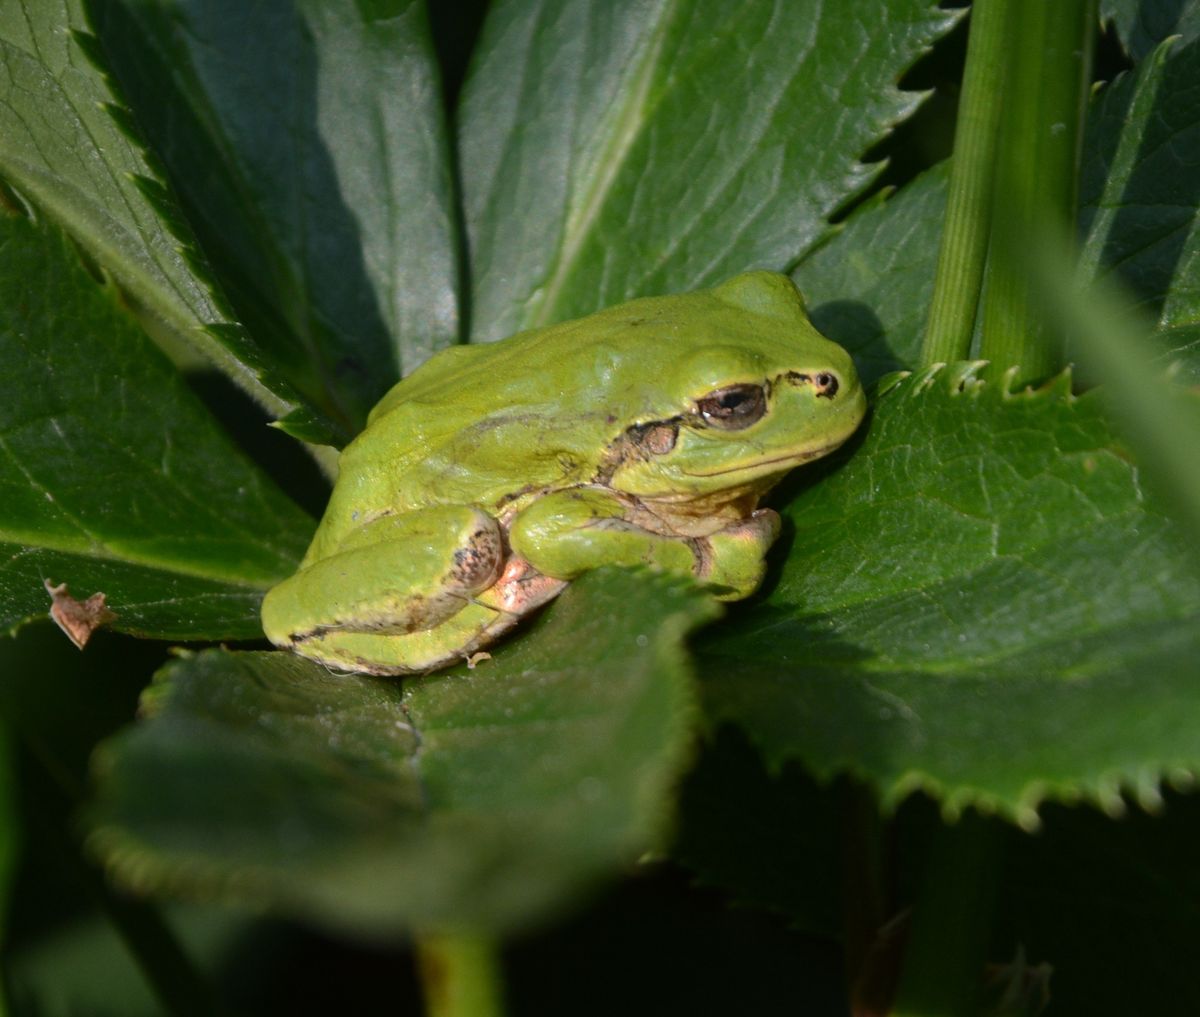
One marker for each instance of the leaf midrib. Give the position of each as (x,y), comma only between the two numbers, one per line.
(111,553)
(627,125)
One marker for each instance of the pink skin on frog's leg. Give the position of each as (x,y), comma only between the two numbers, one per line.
(520,589)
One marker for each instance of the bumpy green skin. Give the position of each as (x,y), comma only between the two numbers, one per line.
(497,473)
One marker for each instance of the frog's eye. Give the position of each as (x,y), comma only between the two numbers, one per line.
(733,408)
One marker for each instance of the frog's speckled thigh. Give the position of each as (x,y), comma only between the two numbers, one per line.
(393,579)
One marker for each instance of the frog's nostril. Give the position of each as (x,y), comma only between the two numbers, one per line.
(826,384)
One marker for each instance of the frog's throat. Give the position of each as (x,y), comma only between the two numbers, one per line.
(698,515)
(733,497)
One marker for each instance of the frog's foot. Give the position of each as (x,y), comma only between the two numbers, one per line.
(734,559)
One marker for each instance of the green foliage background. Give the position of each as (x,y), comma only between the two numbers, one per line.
(218,215)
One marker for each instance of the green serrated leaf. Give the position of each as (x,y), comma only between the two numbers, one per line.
(114,478)
(308,146)
(62,148)
(476,799)
(613,150)
(1139,192)
(1018,597)
(1142,24)
(869,287)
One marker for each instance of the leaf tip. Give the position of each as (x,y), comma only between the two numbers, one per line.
(1058,385)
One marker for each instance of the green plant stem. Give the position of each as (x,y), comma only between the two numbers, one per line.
(951,923)
(1160,419)
(460,975)
(1036,182)
(964,245)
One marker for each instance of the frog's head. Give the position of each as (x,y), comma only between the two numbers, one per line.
(749,390)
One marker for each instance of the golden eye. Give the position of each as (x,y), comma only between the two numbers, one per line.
(733,408)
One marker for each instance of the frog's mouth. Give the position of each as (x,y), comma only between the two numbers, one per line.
(784,462)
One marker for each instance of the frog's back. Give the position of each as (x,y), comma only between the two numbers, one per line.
(473,425)
(493,423)
(528,367)
(620,356)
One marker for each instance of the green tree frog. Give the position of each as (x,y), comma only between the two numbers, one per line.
(495,474)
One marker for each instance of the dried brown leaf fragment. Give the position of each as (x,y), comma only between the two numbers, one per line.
(78,618)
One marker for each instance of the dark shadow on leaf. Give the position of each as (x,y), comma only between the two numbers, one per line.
(302,290)
(857,327)
(927,136)
(283,458)
(792,683)
(455,29)
(775,637)
(1151,22)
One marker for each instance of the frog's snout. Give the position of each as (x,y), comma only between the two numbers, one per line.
(839,395)
(824,383)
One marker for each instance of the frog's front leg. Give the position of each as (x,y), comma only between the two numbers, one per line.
(394,595)
(736,557)
(570,532)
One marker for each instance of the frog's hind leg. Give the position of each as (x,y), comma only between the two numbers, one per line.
(393,593)
(412,652)
(519,589)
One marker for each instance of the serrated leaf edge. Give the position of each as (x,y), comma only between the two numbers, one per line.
(1110,791)
(277,395)
(143,872)
(969,378)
